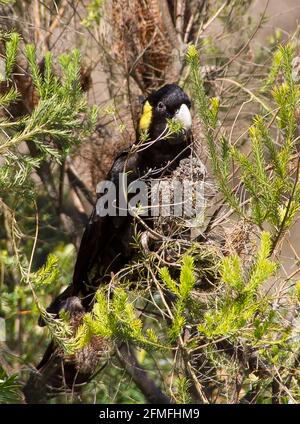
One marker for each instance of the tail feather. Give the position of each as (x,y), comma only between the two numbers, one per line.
(59,373)
(54,375)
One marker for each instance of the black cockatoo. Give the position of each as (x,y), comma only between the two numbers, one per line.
(106,243)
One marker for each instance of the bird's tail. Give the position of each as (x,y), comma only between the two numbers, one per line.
(54,375)
(60,373)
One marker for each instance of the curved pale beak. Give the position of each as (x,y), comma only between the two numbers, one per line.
(183,115)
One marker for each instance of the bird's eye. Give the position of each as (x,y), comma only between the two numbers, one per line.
(161,106)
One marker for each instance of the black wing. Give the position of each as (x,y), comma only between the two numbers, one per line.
(102,241)
(105,243)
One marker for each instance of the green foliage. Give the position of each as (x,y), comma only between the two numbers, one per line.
(59,329)
(187,278)
(183,292)
(60,120)
(265,173)
(9,388)
(115,319)
(94,13)
(11,47)
(54,126)
(240,303)
(169,282)
(9,97)
(208,114)
(182,390)
(274,70)
(174,126)
(48,273)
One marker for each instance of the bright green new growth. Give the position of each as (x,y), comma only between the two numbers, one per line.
(114,319)
(241,302)
(11,47)
(182,387)
(182,291)
(94,9)
(48,273)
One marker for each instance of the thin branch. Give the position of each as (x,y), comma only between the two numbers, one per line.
(140,376)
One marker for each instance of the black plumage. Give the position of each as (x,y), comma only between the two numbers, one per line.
(106,243)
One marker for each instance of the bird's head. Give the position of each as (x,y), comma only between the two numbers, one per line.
(169,102)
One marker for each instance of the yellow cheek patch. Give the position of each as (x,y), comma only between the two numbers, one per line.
(146,117)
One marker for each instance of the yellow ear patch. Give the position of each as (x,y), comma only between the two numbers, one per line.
(146,117)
